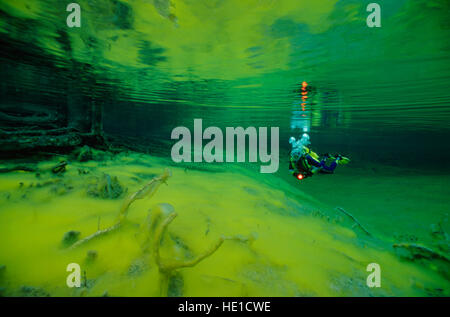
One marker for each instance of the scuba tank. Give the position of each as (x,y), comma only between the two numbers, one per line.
(298,161)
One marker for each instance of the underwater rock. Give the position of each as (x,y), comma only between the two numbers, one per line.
(164,8)
(87,283)
(60,189)
(123,15)
(85,154)
(353,285)
(83,171)
(136,179)
(208,169)
(440,238)
(434,292)
(91,256)
(137,268)
(280,210)
(442,246)
(59,168)
(208,225)
(250,190)
(48,183)
(436,231)
(146,175)
(70,238)
(107,188)
(269,277)
(176,284)
(86,286)
(318,214)
(405,238)
(30,291)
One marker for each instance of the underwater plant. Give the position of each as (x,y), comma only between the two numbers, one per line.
(106,187)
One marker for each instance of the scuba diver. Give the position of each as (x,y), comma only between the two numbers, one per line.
(304,162)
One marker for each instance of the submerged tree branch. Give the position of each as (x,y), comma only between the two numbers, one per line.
(354,220)
(148,190)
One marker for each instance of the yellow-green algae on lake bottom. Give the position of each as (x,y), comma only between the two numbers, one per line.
(294,253)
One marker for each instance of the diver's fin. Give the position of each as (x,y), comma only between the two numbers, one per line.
(343,160)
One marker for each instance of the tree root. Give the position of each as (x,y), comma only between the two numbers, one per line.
(160,217)
(169,266)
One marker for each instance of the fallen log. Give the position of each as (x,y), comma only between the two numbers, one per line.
(41,120)
(35,132)
(16,144)
(23,168)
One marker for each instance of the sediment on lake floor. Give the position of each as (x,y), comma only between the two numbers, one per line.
(299,246)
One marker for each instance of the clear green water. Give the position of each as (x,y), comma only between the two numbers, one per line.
(380,96)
